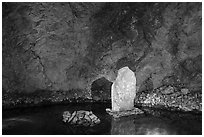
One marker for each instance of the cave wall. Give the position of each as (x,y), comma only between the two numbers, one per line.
(66,46)
(45,46)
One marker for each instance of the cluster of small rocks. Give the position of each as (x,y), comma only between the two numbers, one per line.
(171,98)
(81,118)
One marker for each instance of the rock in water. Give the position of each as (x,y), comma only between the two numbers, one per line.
(118,114)
(123,90)
(81,118)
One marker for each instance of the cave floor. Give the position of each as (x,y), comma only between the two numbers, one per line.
(47,120)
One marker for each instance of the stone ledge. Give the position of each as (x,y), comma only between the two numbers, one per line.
(118,114)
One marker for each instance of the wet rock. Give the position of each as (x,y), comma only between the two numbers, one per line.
(118,114)
(170,98)
(81,118)
(123,90)
(43,97)
(157,112)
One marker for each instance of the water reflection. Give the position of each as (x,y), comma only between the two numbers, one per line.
(9,122)
(140,126)
(123,126)
(48,120)
(147,130)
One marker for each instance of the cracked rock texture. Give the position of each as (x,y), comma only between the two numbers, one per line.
(55,51)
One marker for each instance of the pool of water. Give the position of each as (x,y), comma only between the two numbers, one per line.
(47,120)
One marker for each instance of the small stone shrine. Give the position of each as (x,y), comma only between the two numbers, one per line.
(123,92)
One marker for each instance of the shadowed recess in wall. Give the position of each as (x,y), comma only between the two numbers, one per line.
(101,89)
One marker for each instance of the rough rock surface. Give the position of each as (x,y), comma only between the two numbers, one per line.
(118,114)
(172,98)
(81,118)
(65,47)
(123,90)
(43,97)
